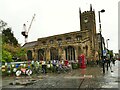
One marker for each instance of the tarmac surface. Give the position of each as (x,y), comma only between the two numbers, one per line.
(90,77)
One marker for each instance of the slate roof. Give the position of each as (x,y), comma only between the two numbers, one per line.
(29,44)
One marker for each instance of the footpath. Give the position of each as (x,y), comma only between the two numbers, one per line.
(91,77)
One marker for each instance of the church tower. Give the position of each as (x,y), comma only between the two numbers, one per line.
(87,20)
(88,23)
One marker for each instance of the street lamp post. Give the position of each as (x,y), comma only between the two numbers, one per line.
(107,46)
(101,40)
(107,43)
(107,52)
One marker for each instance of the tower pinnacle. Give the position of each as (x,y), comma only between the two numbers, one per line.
(90,7)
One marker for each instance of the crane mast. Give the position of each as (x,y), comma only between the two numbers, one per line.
(25,32)
(31,23)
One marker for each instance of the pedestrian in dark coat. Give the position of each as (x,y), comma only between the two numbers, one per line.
(109,62)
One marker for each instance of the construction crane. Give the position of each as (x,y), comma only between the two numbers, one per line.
(25,33)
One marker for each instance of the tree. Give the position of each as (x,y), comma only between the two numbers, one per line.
(6,56)
(16,51)
(2,25)
(8,37)
(21,53)
(10,47)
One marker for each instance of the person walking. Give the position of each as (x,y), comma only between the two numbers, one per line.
(54,65)
(107,61)
(32,64)
(110,65)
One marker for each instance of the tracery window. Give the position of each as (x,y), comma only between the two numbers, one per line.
(70,53)
(53,54)
(41,54)
(59,41)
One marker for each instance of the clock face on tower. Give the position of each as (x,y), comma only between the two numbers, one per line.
(85,20)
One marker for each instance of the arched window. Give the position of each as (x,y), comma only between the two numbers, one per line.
(29,55)
(53,54)
(41,54)
(86,50)
(43,42)
(51,41)
(78,37)
(70,53)
(59,41)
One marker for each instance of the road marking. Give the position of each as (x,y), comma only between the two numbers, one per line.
(79,77)
(88,76)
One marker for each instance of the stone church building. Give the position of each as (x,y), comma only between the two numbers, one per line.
(68,46)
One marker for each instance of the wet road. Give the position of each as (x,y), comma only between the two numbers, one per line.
(91,77)
(112,79)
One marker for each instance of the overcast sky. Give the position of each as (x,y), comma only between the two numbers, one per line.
(58,16)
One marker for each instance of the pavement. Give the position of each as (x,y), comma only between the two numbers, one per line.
(90,77)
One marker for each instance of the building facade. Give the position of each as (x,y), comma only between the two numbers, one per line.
(68,46)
